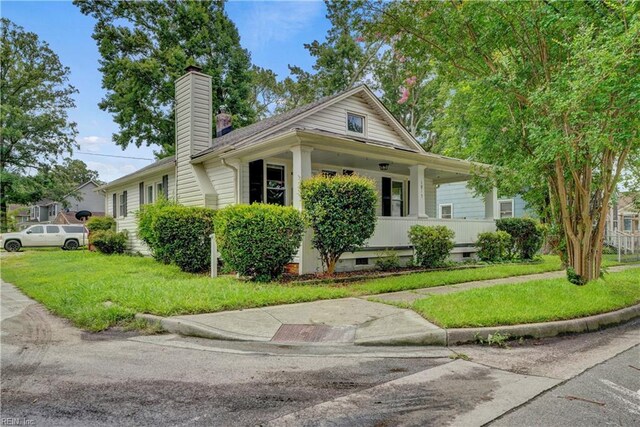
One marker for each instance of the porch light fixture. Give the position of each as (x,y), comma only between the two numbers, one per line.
(383,166)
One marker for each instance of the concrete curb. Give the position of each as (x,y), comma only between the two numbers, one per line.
(432,337)
(437,337)
(546,330)
(193,329)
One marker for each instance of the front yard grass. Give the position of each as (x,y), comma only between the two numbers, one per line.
(531,302)
(96,291)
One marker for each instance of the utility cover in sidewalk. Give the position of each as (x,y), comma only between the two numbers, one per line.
(314,333)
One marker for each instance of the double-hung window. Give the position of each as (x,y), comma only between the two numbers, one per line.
(276,188)
(506,208)
(123,204)
(446,211)
(150,194)
(397,199)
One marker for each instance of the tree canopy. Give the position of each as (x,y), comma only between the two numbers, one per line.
(35,130)
(547,91)
(145,47)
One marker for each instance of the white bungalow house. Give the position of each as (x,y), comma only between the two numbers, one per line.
(350,132)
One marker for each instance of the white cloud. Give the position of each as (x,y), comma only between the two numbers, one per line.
(93,144)
(277,21)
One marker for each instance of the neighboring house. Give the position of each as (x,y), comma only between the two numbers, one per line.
(20,215)
(70,217)
(45,211)
(455,200)
(624,216)
(350,132)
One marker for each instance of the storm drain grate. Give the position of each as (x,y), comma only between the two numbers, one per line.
(314,333)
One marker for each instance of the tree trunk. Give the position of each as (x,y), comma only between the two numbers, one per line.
(3,215)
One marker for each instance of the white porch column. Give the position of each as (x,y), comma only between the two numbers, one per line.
(491,208)
(307,256)
(301,170)
(417,200)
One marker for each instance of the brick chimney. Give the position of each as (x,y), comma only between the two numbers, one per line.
(223,123)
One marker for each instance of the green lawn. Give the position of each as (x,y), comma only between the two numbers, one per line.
(531,302)
(96,291)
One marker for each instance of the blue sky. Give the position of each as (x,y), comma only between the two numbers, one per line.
(273,31)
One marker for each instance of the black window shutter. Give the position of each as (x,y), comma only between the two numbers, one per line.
(256,181)
(141,191)
(114,207)
(165,186)
(386,196)
(124,210)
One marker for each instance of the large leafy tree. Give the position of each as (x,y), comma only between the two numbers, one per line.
(34,127)
(145,47)
(548,91)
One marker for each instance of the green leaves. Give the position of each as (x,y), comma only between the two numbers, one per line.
(432,244)
(145,47)
(258,240)
(341,212)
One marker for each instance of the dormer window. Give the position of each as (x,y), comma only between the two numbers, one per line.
(355,123)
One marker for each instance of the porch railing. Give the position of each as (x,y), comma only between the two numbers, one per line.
(394,231)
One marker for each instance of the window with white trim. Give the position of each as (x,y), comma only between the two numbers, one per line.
(355,123)
(506,208)
(328,173)
(123,204)
(276,185)
(149,198)
(397,198)
(446,211)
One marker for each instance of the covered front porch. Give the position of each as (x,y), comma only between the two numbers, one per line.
(406,182)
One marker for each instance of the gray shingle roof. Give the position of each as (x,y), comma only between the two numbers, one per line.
(158,163)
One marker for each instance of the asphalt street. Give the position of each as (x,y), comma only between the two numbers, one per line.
(55,374)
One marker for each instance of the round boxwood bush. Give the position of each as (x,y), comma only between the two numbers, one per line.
(432,244)
(527,235)
(183,236)
(342,213)
(109,242)
(494,246)
(258,240)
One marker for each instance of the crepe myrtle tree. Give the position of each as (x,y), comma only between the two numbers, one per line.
(545,90)
(341,210)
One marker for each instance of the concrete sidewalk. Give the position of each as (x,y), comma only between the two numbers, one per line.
(363,322)
(348,320)
(415,294)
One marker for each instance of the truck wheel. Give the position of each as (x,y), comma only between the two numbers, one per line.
(71,245)
(12,246)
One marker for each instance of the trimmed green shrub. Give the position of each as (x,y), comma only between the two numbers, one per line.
(181,236)
(494,246)
(341,210)
(147,230)
(98,223)
(258,240)
(109,242)
(432,244)
(527,235)
(389,261)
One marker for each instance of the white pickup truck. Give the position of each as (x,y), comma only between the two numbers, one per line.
(65,236)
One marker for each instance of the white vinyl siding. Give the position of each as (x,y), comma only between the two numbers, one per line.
(334,119)
(129,222)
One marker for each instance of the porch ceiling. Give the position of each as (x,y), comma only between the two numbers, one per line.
(368,162)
